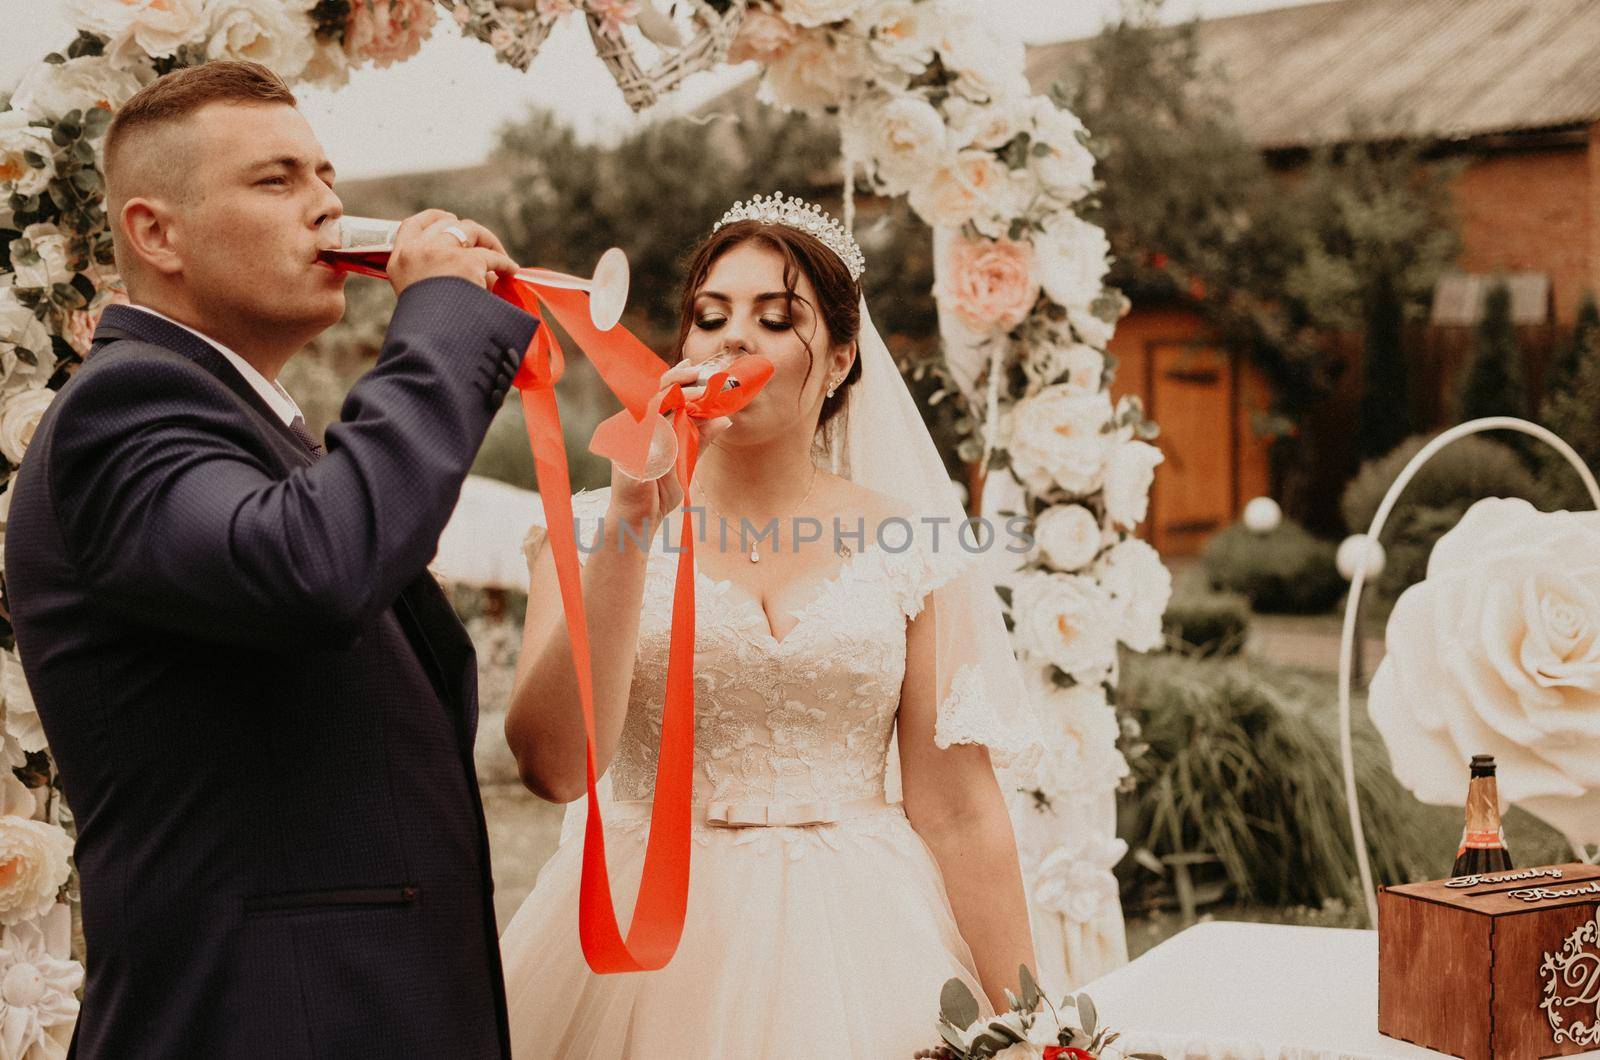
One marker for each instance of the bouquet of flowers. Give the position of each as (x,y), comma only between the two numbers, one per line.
(1031,1029)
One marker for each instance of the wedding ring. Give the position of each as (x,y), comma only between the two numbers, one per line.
(461,236)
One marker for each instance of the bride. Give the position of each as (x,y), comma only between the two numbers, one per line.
(823,918)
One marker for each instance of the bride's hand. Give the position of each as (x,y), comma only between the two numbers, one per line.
(644,503)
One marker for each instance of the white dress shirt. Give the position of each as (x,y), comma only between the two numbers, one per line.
(271,391)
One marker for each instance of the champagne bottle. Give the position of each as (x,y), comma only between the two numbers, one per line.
(1483,842)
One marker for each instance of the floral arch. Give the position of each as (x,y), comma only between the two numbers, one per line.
(932,104)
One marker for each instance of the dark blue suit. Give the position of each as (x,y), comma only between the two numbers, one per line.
(261,704)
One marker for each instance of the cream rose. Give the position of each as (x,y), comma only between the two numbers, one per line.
(39,982)
(900,137)
(967,186)
(815,72)
(1066,167)
(1140,587)
(762,37)
(989,67)
(1080,726)
(989,284)
(1130,471)
(26,357)
(137,28)
(50,90)
(982,125)
(1089,328)
(388,31)
(21,716)
(1069,535)
(1056,437)
(1074,365)
(48,264)
(902,33)
(278,35)
(19,418)
(33,867)
(1497,652)
(813,13)
(1076,880)
(1072,260)
(18,139)
(1066,620)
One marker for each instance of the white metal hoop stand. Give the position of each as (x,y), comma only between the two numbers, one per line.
(1347,636)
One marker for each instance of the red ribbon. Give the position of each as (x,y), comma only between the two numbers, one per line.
(633,373)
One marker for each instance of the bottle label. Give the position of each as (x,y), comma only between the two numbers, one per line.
(1482,840)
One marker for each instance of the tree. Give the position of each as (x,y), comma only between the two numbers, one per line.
(1196,216)
(1493,382)
(1585,330)
(1568,409)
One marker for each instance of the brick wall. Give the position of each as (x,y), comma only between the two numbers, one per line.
(1534,211)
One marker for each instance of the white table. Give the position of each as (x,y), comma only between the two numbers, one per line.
(1226,991)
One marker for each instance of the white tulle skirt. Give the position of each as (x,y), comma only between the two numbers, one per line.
(823,941)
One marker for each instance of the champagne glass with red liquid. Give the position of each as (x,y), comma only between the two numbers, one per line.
(365,244)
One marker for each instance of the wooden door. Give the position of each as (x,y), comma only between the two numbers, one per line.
(1193,398)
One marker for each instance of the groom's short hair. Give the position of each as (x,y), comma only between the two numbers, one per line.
(145,153)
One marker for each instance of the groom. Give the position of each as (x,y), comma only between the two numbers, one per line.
(261,704)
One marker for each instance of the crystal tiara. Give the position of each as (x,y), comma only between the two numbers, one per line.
(807,217)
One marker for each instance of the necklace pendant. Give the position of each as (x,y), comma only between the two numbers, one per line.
(755,557)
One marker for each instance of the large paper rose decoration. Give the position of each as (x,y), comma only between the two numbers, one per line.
(33,867)
(1497,652)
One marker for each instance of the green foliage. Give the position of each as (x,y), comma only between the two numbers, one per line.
(1203,621)
(1242,765)
(1569,358)
(1568,409)
(1493,383)
(1383,417)
(1285,571)
(1462,473)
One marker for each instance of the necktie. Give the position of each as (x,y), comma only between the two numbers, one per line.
(298,427)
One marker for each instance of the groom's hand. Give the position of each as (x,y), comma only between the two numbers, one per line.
(438,243)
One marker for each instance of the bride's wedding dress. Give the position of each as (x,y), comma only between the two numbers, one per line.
(818,923)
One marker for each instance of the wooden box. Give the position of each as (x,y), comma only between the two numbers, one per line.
(1504,968)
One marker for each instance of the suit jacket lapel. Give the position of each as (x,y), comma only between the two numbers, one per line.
(128,322)
(430,623)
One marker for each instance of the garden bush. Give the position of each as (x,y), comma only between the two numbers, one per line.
(1458,476)
(1285,571)
(1203,621)
(1242,763)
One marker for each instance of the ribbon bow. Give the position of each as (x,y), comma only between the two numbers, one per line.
(632,372)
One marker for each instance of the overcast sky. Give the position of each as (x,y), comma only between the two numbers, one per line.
(443,107)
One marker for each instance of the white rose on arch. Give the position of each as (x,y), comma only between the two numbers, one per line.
(19,418)
(17,138)
(21,331)
(48,264)
(1071,259)
(36,858)
(41,981)
(1497,652)
(278,35)
(1057,437)
(135,29)
(1130,471)
(1140,587)
(1069,535)
(901,33)
(1066,167)
(813,13)
(50,90)
(900,137)
(1082,366)
(813,72)
(1067,620)
(22,722)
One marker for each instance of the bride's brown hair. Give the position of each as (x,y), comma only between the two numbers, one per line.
(839,295)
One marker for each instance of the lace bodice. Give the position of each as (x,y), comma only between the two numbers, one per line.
(803,718)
